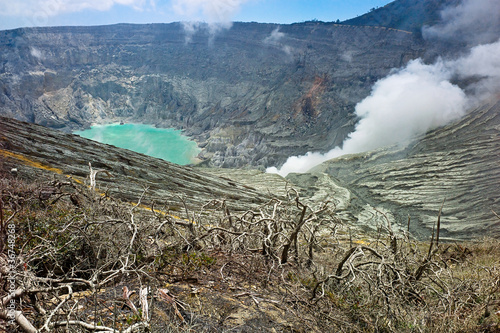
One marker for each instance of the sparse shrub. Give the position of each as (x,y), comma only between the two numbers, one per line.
(77,251)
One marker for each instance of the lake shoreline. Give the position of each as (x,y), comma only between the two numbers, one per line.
(169,144)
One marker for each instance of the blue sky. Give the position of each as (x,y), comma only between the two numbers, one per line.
(22,13)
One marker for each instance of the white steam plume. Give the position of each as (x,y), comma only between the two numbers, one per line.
(483,62)
(211,11)
(276,39)
(218,14)
(473,21)
(411,101)
(36,53)
(419,97)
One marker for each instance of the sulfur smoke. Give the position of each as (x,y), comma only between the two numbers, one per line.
(276,39)
(418,97)
(216,15)
(473,21)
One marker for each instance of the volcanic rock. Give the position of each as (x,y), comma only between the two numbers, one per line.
(252,96)
(457,164)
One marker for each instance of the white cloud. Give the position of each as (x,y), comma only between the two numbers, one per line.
(189,29)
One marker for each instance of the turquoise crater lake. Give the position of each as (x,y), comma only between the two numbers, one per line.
(165,143)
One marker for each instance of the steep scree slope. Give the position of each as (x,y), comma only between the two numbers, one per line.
(38,153)
(458,163)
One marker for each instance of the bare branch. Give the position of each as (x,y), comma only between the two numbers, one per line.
(21,320)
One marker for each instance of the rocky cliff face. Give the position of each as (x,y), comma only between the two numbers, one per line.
(252,96)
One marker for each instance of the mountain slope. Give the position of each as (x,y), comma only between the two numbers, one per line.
(38,153)
(406,15)
(458,163)
(253,95)
(83,254)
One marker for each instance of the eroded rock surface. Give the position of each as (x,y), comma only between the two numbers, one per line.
(458,164)
(252,96)
(38,152)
